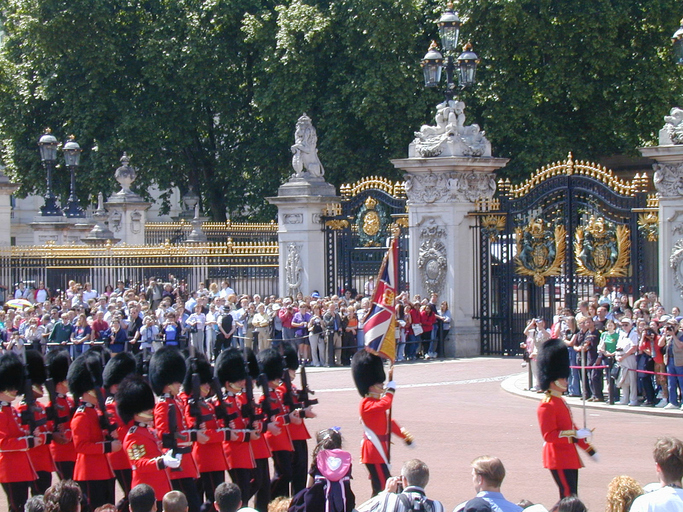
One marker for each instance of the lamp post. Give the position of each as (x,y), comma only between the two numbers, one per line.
(48,155)
(433,62)
(72,156)
(677,40)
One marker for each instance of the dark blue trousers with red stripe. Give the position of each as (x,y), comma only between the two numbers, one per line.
(567,480)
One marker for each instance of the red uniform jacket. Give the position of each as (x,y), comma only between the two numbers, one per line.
(558,430)
(259,447)
(239,452)
(210,455)
(91,445)
(40,456)
(63,452)
(188,468)
(298,432)
(118,460)
(373,414)
(15,465)
(282,441)
(143,448)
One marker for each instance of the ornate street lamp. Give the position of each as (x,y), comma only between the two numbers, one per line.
(48,155)
(432,63)
(72,156)
(677,40)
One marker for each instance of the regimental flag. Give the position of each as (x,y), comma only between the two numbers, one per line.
(380,322)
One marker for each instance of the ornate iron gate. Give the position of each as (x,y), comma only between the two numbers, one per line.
(556,239)
(357,230)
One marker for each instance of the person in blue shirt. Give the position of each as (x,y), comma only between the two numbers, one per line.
(487,476)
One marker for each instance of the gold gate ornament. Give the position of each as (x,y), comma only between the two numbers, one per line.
(602,250)
(540,250)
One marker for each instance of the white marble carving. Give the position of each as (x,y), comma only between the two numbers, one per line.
(675,262)
(305,160)
(115,221)
(293,269)
(668,179)
(447,187)
(672,132)
(135,222)
(450,136)
(432,260)
(125,175)
(316,218)
(293,218)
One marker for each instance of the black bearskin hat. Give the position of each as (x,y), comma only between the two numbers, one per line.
(270,362)
(166,366)
(553,362)
(36,367)
(230,366)
(253,366)
(58,362)
(290,357)
(200,366)
(11,372)
(85,373)
(367,370)
(118,368)
(133,396)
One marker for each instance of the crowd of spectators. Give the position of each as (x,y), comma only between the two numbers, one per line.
(327,331)
(631,352)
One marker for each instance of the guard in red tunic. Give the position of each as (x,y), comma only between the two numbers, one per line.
(560,435)
(40,456)
(231,372)
(166,374)
(92,441)
(16,471)
(261,482)
(297,431)
(368,374)
(62,446)
(200,415)
(135,405)
(118,368)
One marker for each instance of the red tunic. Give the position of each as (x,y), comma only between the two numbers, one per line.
(210,455)
(63,452)
(143,448)
(373,414)
(259,447)
(558,430)
(282,441)
(91,445)
(238,453)
(188,468)
(118,460)
(15,465)
(40,456)
(298,432)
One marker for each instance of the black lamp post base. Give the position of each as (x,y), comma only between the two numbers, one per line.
(50,208)
(73,210)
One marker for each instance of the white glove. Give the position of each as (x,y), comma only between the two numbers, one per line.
(170,461)
(583,433)
(391,385)
(595,457)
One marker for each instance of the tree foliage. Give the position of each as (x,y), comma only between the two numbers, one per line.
(205,93)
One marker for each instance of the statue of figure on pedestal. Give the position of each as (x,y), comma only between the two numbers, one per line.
(305,160)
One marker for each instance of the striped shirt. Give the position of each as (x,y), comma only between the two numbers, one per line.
(411,499)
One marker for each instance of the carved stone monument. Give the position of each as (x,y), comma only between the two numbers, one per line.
(7,188)
(100,233)
(127,210)
(449,168)
(300,202)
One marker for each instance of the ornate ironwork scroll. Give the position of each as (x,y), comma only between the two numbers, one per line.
(602,250)
(492,226)
(540,250)
(648,225)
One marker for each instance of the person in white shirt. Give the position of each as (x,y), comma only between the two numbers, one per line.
(195,323)
(627,345)
(668,455)
(89,293)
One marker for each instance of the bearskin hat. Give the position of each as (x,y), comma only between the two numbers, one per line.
(553,362)
(36,367)
(118,368)
(200,366)
(290,357)
(58,362)
(367,370)
(85,373)
(166,366)
(11,372)
(270,362)
(133,396)
(253,366)
(230,366)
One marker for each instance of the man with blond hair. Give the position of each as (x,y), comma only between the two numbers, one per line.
(668,455)
(487,476)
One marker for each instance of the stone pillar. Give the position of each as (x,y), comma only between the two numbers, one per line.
(668,176)
(127,210)
(6,190)
(300,204)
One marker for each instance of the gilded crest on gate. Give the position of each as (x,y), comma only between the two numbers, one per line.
(540,250)
(602,250)
(371,223)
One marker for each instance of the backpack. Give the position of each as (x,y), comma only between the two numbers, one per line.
(331,491)
(415,503)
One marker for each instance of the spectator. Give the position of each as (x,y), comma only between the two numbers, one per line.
(174,501)
(141,499)
(625,355)
(569,504)
(64,496)
(35,504)
(621,492)
(229,499)
(487,475)
(668,455)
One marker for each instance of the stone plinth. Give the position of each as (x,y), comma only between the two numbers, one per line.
(300,203)
(60,230)
(441,192)
(127,217)
(7,188)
